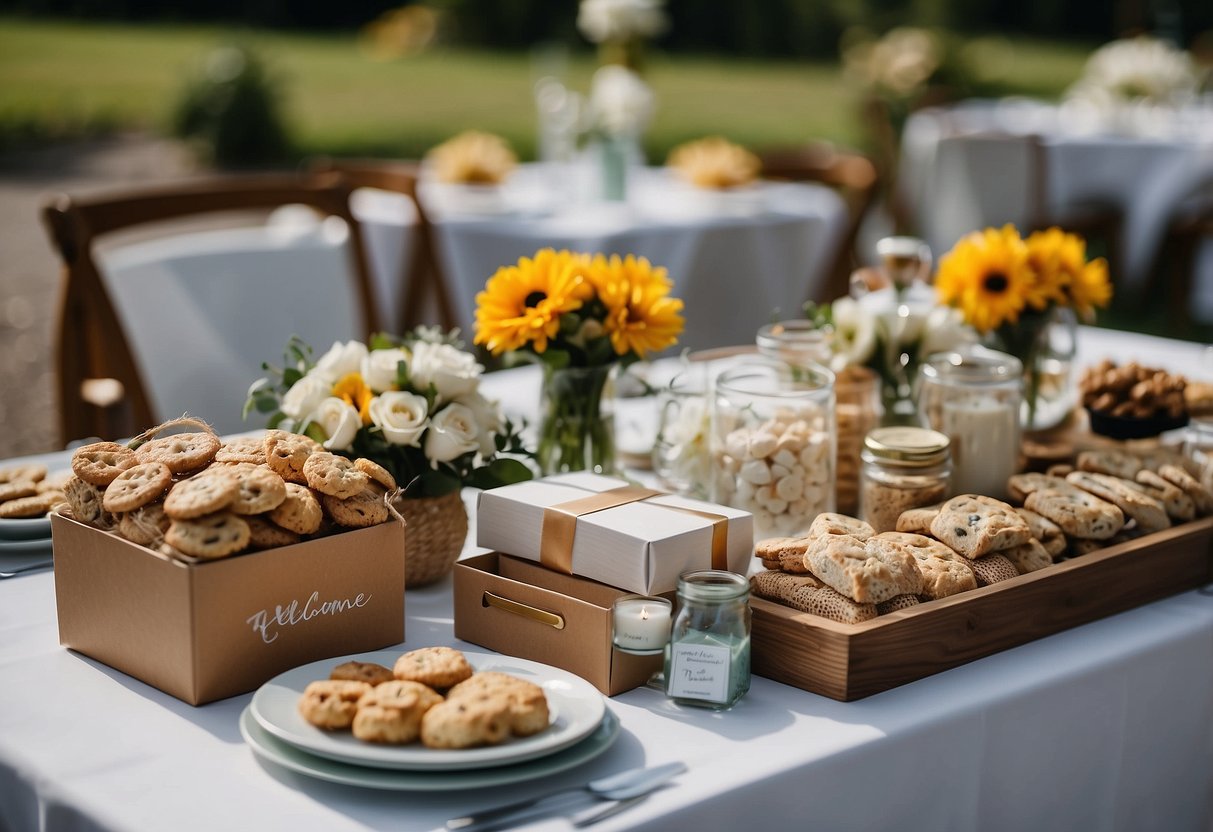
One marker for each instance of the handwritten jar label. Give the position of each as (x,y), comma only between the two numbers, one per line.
(699,671)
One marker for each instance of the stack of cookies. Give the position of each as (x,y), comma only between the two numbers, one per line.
(430,694)
(1110,496)
(843,570)
(196,498)
(26,491)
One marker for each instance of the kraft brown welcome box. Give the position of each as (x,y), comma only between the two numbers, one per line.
(209,630)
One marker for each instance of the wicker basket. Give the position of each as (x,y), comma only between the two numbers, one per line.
(437,527)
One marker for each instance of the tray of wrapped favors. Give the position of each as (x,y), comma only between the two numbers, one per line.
(846,611)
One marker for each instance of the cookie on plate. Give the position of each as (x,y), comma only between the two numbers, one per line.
(467,723)
(331,704)
(528,704)
(369,672)
(391,712)
(437,667)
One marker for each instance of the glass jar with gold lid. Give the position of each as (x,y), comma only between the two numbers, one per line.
(903,468)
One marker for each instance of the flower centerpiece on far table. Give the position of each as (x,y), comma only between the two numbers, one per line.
(580,316)
(1025,297)
(413,405)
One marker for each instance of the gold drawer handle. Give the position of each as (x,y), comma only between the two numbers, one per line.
(554,621)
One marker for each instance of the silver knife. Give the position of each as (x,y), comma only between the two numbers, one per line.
(622,786)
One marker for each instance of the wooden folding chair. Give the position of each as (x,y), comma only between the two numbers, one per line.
(101,388)
(852,174)
(422,274)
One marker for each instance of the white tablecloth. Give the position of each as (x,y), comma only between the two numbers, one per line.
(955,185)
(1108,726)
(734,258)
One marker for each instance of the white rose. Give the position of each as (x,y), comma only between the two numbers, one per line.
(854,333)
(339,421)
(620,101)
(604,20)
(305,395)
(379,368)
(945,330)
(400,415)
(341,360)
(452,434)
(487,414)
(453,372)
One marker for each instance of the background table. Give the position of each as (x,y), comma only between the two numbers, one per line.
(955,183)
(1108,726)
(735,258)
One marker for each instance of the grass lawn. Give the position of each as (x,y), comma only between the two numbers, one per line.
(64,78)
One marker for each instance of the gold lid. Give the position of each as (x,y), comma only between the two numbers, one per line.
(907,445)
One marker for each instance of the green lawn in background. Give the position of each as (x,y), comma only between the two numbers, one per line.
(64,78)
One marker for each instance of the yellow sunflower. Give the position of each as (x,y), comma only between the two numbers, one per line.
(521,305)
(353,390)
(987,276)
(641,317)
(1061,259)
(1052,255)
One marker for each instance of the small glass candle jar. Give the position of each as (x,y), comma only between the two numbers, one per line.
(972,396)
(681,457)
(640,625)
(707,662)
(773,444)
(903,468)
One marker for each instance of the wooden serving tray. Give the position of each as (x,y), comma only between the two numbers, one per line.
(851,661)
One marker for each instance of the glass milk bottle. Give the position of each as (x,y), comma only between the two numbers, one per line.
(972,396)
(772,444)
(707,662)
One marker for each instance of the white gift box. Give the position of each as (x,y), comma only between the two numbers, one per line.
(641,541)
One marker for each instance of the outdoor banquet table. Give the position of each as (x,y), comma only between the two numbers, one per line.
(735,258)
(1107,726)
(1145,169)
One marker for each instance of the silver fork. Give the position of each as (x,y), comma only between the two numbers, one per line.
(24,570)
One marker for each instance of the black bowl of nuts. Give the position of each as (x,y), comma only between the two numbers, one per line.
(1131,401)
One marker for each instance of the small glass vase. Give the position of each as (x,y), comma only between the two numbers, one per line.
(577,422)
(615,157)
(1047,344)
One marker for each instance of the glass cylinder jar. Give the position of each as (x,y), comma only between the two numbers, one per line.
(681,457)
(973,397)
(707,662)
(856,391)
(903,468)
(773,444)
(1198,448)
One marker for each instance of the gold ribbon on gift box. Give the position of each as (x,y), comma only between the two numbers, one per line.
(560,525)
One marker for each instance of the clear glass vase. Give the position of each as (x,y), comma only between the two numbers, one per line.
(1049,393)
(577,422)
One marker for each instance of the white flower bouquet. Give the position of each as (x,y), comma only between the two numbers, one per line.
(412,404)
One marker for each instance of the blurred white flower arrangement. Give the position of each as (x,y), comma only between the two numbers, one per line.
(621,103)
(620,21)
(1136,70)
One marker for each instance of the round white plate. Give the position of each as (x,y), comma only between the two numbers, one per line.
(36,527)
(38,546)
(576,709)
(266,747)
